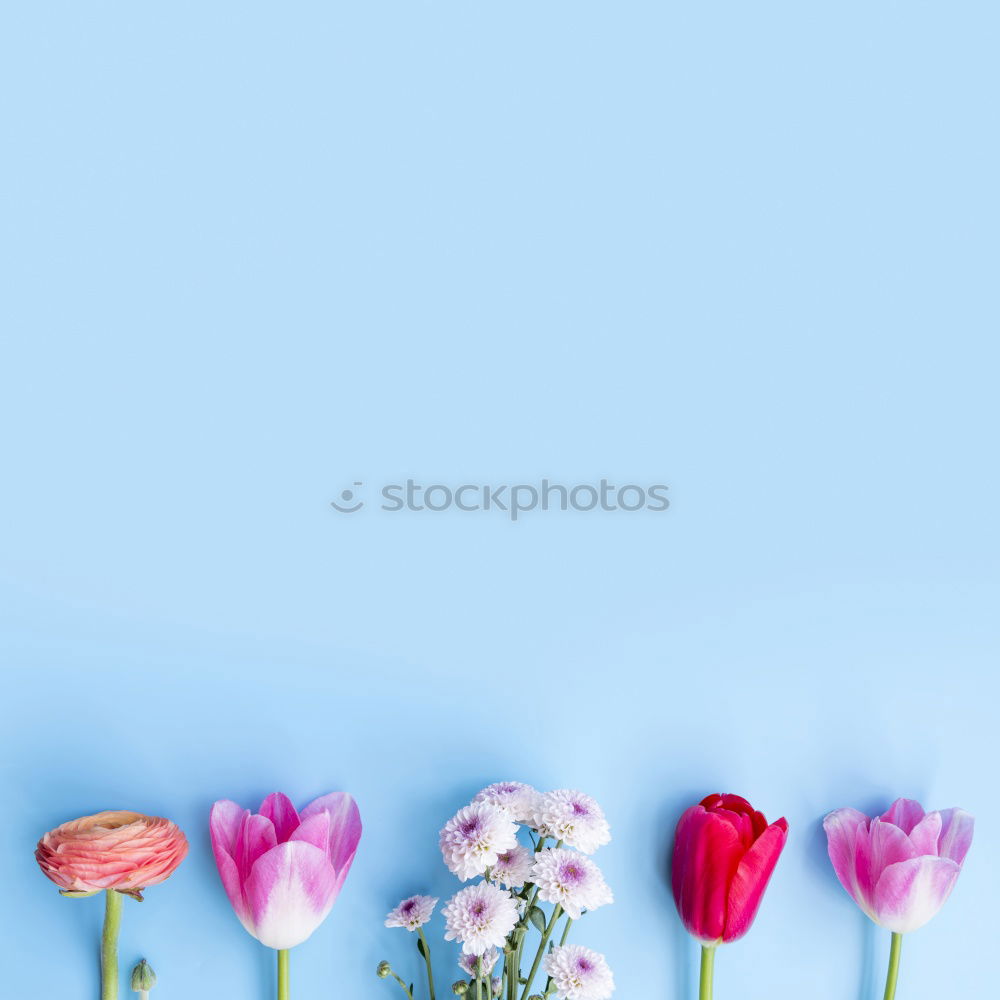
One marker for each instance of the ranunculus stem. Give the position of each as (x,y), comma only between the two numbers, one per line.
(707,968)
(893,974)
(109,944)
(283,992)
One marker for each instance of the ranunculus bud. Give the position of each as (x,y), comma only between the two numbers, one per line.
(143,978)
(460,988)
(124,851)
(383,970)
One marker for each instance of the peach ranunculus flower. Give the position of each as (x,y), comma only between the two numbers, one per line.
(124,851)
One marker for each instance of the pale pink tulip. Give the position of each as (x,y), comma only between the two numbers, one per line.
(282,869)
(901,866)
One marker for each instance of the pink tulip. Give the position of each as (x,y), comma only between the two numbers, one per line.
(901,866)
(282,869)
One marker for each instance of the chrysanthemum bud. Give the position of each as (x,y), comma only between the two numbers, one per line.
(535,996)
(383,970)
(143,977)
(460,988)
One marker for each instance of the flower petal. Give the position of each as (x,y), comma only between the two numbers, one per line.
(256,837)
(278,808)
(910,892)
(345,827)
(884,844)
(707,851)
(904,813)
(752,875)
(224,824)
(315,830)
(843,828)
(924,836)
(290,891)
(956,834)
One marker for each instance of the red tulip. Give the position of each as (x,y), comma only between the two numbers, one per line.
(724,854)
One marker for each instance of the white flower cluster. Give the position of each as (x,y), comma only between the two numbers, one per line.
(480,916)
(411,913)
(481,842)
(570,879)
(572,817)
(475,837)
(579,973)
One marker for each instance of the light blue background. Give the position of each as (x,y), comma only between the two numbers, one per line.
(255,253)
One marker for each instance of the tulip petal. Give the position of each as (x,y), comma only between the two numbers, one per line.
(256,837)
(707,851)
(904,813)
(956,834)
(290,891)
(315,830)
(843,828)
(751,879)
(345,827)
(924,836)
(910,892)
(224,824)
(884,844)
(224,828)
(278,808)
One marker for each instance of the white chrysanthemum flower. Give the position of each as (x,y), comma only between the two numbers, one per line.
(474,837)
(411,913)
(579,973)
(469,963)
(518,799)
(480,916)
(570,879)
(572,817)
(513,867)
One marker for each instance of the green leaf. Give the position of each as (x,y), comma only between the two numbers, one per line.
(420,947)
(537,917)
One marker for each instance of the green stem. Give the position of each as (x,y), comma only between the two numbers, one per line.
(893,974)
(549,985)
(427,959)
(283,990)
(109,944)
(707,968)
(550,927)
(403,986)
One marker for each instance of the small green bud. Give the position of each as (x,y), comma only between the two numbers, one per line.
(143,977)
(383,970)
(460,988)
(536,996)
